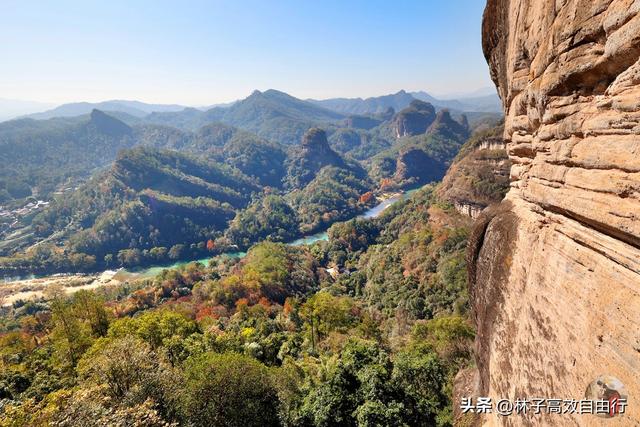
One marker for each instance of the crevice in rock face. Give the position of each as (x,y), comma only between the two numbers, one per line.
(606,167)
(593,81)
(605,229)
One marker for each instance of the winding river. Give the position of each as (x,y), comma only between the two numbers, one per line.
(136,273)
(304,240)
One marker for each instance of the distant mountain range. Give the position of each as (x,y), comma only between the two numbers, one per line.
(134,108)
(127,178)
(481,104)
(481,101)
(376,105)
(373,105)
(39,156)
(271,114)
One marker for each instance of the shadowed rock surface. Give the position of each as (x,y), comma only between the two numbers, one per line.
(415,119)
(555,271)
(415,166)
(313,154)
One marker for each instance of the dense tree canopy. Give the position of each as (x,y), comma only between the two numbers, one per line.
(272,339)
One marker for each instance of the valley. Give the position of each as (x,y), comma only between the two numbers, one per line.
(162,193)
(283,238)
(22,289)
(404,237)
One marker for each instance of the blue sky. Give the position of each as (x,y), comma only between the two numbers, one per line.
(204,52)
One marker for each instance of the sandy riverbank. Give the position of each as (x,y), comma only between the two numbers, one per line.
(33,289)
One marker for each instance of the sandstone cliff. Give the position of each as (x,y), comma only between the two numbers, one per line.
(415,119)
(555,271)
(479,175)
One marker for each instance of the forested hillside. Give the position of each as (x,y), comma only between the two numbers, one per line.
(183,245)
(271,114)
(154,205)
(417,158)
(183,193)
(42,157)
(38,156)
(367,328)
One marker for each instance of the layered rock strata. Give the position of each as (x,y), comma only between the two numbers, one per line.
(555,270)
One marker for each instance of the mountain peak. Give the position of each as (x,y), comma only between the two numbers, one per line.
(315,138)
(419,105)
(446,125)
(107,124)
(313,154)
(276,92)
(415,119)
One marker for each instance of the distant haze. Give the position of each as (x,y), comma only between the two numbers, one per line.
(208,52)
(10,108)
(470,102)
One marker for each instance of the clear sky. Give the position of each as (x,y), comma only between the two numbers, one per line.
(203,52)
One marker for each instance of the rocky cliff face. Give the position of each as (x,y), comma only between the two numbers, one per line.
(414,166)
(415,119)
(445,126)
(555,271)
(313,154)
(479,175)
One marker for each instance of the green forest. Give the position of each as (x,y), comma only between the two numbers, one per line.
(272,339)
(161,194)
(366,327)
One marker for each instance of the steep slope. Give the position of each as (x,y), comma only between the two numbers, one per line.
(421,158)
(479,175)
(326,187)
(555,277)
(255,157)
(414,120)
(313,154)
